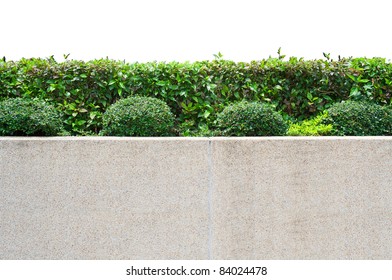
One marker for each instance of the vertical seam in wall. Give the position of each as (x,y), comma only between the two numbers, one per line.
(210,188)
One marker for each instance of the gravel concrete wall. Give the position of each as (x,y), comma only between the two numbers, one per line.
(196,198)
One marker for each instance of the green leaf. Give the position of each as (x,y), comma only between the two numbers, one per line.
(352,77)
(52,88)
(355,93)
(93,115)
(161,83)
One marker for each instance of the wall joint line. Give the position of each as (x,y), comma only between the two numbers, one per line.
(210,189)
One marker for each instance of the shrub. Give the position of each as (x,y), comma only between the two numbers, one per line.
(250,119)
(388,119)
(359,119)
(186,129)
(311,127)
(138,116)
(29,117)
(196,91)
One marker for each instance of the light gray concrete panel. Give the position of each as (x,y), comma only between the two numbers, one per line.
(103,198)
(196,198)
(302,198)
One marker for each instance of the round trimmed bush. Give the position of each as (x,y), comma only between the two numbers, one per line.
(250,119)
(29,117)
(358,118)
(138,116)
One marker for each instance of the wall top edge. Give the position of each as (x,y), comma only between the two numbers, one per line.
(191,139)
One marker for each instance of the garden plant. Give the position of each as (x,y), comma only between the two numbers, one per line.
(305,94)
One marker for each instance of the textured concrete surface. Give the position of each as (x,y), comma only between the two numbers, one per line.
(302,198)
(91,198)
(196,198)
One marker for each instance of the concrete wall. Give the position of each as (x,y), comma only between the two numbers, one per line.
(196,198)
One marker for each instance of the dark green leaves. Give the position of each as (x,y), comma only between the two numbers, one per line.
(138,116)
(359,119)
(251,119)
(197,91)
(29,117)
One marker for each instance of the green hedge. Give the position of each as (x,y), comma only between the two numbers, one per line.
(311,127)
(359,119)
(250,119)
(138,116)
(29,117)
(195,92)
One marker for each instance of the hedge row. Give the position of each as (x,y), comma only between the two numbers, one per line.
(147,116)
(195,92)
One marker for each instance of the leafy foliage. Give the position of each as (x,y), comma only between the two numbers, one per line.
(197,91)
(359,118)
(311,127)
(138,116)
(250,119)
(29,117)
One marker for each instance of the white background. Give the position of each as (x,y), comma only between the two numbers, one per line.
(276,270)
(190,30)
